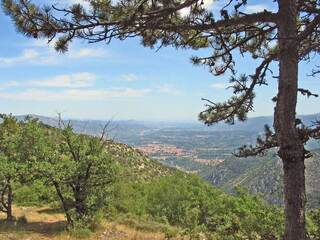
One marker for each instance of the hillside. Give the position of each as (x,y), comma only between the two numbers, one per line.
(207,151)
(136,165)
(264,176)
(78,186)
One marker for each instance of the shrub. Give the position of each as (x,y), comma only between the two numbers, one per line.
(80,232)
(192,204)
(313,224)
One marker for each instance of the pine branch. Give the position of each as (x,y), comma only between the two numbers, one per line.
(241,103)
(306,92)
(269,141)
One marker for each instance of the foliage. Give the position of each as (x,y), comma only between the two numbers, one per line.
(314,224)
(194,205)
(78,171)
(80,232)
(146,224)
(77,166)
(11,165)
(35,193)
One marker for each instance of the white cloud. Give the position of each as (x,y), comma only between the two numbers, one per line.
(76,1)
(84,3)
(44,54)
(88,53)
(26,56)
(40,43)
(73,94)
(76,80)
(129,77)
(219,85)
(31,56)
(257,8)
(167,89)
(76,86)
(7,85)
(184,11)
(207,4)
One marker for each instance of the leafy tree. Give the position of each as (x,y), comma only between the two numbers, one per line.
(287,35)
(77,166)
(10,164)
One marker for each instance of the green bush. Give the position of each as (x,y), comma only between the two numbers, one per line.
(171,233)
(192,204)
(35,193)
(145,224)
(313,224)
(80,232)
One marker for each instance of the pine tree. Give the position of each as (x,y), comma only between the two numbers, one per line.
(287,35)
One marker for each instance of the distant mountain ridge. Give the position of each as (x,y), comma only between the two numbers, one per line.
(254,124)
(131,131)
(207,151)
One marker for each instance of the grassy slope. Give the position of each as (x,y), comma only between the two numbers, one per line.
(46,224)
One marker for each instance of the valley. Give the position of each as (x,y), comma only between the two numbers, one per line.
(208,152)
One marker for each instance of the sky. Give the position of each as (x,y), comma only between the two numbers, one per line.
(122,80)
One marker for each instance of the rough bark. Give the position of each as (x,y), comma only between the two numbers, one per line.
(6,200)
(79,202)
(9,202)
(291,149)
(64,204)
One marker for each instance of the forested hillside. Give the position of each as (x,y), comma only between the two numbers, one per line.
(86,182)
(264,176)
(208,152)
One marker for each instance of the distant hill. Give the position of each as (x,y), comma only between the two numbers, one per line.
(254,124)
(264,176)
(193,147)
(135,165)
(116,129)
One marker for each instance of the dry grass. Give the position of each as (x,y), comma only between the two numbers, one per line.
(48,224)
(117,231)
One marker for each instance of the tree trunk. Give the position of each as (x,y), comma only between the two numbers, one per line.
(291,149)
(64,204)
(80,205)
(294,191)
(9,202)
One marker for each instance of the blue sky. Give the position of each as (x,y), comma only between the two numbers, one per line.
(122,80)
